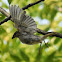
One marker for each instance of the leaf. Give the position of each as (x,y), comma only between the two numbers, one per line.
(9,1)
(60,47)
(4,5)
(53,13)
(2,30)
(56,40)
(50,57)
(2,16)
(15,57)
(38,57)
(47,28)
(24,56)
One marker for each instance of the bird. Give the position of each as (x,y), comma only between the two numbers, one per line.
(25,25)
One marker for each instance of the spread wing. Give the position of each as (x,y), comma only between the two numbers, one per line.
(22,21)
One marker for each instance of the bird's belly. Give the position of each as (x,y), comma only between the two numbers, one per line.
(29,40)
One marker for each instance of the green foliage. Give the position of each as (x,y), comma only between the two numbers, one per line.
(24,56)
(2,17)
(12,50)
(15,58)
(2,30)
(9,1)
(56,40)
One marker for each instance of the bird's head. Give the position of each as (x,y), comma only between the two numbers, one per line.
(16,34)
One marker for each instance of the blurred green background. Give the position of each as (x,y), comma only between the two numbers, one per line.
(48,17)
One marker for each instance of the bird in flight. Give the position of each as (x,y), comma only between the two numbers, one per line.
(25,25)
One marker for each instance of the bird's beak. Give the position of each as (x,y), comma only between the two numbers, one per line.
(16,34)
(13,36)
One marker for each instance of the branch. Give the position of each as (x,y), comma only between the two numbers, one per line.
(56,34)
(4,12)
(29,5)
(45,36)
(5,20)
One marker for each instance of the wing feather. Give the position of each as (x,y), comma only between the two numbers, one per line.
(23,21)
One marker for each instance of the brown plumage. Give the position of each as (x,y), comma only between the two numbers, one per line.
(25,25)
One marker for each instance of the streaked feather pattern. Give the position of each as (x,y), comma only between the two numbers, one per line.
(21,20)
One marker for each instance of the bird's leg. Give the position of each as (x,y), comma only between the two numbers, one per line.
(46,44)
(40,49)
